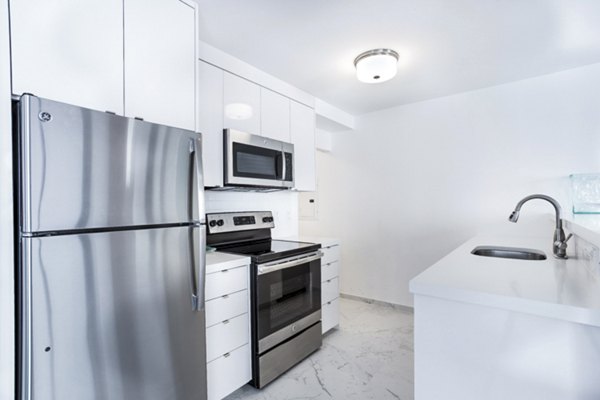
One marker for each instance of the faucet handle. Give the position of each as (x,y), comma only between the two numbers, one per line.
(563,244)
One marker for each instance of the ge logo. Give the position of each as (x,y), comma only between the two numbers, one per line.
(45,116)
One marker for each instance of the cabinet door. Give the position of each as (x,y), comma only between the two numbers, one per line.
(274,115)
(241,100)
(69,51)
(302,123)
(210,121)
(160,62)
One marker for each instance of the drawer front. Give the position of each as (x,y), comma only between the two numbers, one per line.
(330,271)
(226,282)
(226,336)
(329,290)
(330,314)
(330,254)
(228,373)
(226,307)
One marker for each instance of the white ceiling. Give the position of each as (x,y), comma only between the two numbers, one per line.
(445,46)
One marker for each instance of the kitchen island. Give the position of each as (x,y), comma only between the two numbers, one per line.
(496,328)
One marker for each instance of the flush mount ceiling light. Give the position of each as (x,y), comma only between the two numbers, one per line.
(377,65)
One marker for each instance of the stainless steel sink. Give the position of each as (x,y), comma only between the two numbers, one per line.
(509,252)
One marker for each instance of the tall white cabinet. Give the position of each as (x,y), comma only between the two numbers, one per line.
(210,121)
(241,96)
(69,51)
(131,57)
(160,62)
(302,128)
(275,115)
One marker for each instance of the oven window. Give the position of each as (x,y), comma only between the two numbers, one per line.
(256,162)
(287,295)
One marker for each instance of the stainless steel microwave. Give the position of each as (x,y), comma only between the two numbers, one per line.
(257,161)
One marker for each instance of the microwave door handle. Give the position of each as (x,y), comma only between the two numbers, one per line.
(283,165)
(279,165)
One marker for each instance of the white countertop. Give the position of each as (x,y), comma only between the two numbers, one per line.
(563,289)
(324,241)
(217,261)
(585,225)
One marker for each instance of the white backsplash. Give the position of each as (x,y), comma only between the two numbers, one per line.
(284,206)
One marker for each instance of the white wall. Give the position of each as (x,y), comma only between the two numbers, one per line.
(7,338)
(284,205)
(413,182)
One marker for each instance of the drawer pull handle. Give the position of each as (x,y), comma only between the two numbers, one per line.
(226,355)
(225,322)
(329,303)
(328,280)
(224,270)
(225,296)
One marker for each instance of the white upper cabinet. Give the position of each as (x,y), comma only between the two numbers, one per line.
(210,121)
(241,102)
(302,123)
(69,51)
(160,62)
(275,115)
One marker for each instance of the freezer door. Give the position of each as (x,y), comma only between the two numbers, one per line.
(114,316)
(85,169)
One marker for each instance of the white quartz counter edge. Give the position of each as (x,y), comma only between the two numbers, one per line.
(551,288)
(324,241)
(217,261)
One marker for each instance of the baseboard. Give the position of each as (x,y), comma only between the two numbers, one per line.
(373,301)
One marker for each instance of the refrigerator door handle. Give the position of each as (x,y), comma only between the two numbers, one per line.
(201,272)
(193,270)
(196,167)
(198,266)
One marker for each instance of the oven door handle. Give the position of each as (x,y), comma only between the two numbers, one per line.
(277,265)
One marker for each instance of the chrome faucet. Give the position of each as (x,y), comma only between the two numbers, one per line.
(559,245)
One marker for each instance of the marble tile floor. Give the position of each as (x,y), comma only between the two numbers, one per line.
(369,356)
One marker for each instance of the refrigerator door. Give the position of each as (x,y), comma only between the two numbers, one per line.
(85,169)
(112,315)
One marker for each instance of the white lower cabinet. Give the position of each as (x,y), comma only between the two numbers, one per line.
(226,281)
(226,336)
(330,314)
(330,288)
(231,370)
(226,307)
(229,365)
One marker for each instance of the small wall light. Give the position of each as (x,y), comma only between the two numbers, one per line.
(238,111)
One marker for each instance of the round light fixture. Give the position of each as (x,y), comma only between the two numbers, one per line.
(378,65)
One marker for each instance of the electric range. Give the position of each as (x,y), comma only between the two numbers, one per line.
(285,285)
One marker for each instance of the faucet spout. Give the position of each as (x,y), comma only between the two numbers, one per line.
(559,244)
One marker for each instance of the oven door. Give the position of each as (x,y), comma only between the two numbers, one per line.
(251,160)
(287,298)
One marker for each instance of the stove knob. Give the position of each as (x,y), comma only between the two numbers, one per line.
(220,222)
(270,219)
(212,223)
(265,219)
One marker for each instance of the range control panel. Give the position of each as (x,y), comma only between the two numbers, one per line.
(239,221)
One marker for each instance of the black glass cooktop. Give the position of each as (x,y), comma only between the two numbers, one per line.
(270,250)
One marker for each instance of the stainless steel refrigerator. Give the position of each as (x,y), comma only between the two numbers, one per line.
(111,256)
